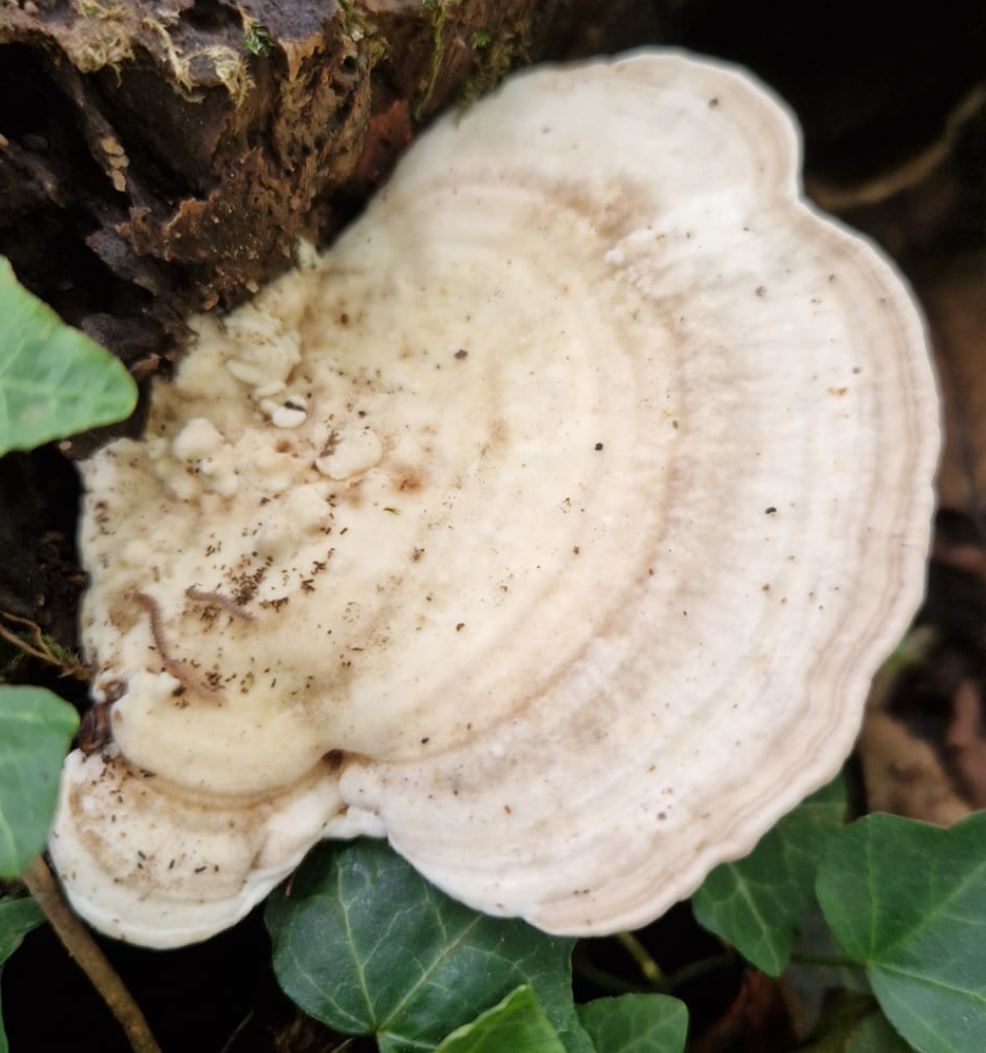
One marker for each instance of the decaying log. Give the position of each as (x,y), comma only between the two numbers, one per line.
(163,157)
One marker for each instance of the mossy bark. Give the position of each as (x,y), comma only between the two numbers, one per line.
(164,157)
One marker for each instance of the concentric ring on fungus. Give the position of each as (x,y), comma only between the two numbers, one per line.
(551,524)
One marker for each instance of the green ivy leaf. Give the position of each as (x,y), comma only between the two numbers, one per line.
(54,380)
(908,901)
(36,728)
(757,903)
(366,945)
(517,1024)
(636,1023)
(17,918)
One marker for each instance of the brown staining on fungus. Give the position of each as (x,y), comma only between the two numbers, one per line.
(333,760)
(409,480)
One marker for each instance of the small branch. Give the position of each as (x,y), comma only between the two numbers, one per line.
(22,645)
(822,961)
(64,661)
(694,970)
(639,953)
(90,959)
(910,174)
(237,1031)
(605,981)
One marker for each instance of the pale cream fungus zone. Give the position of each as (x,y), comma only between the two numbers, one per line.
(395,454)
(465,532)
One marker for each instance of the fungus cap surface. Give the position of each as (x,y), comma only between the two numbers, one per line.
(567,506)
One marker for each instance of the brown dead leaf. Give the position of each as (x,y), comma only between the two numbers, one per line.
(955,302)
(902,774)
(966,744)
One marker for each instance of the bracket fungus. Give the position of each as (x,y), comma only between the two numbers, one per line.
(552,525)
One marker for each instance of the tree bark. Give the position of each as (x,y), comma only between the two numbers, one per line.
(164,157)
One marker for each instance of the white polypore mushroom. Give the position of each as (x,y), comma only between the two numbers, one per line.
(185,865)
(602,486)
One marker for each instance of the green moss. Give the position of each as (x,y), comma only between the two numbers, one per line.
(100,37)
(439,15)
(359,26)
(497,55)
(257,39)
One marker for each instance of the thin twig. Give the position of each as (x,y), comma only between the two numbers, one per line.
(908,175)
(237,1031)
(90,959)
(68,665)
(823,961)
(23,645)
(639,953)
(28,624)
(694,970)
(589,971)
